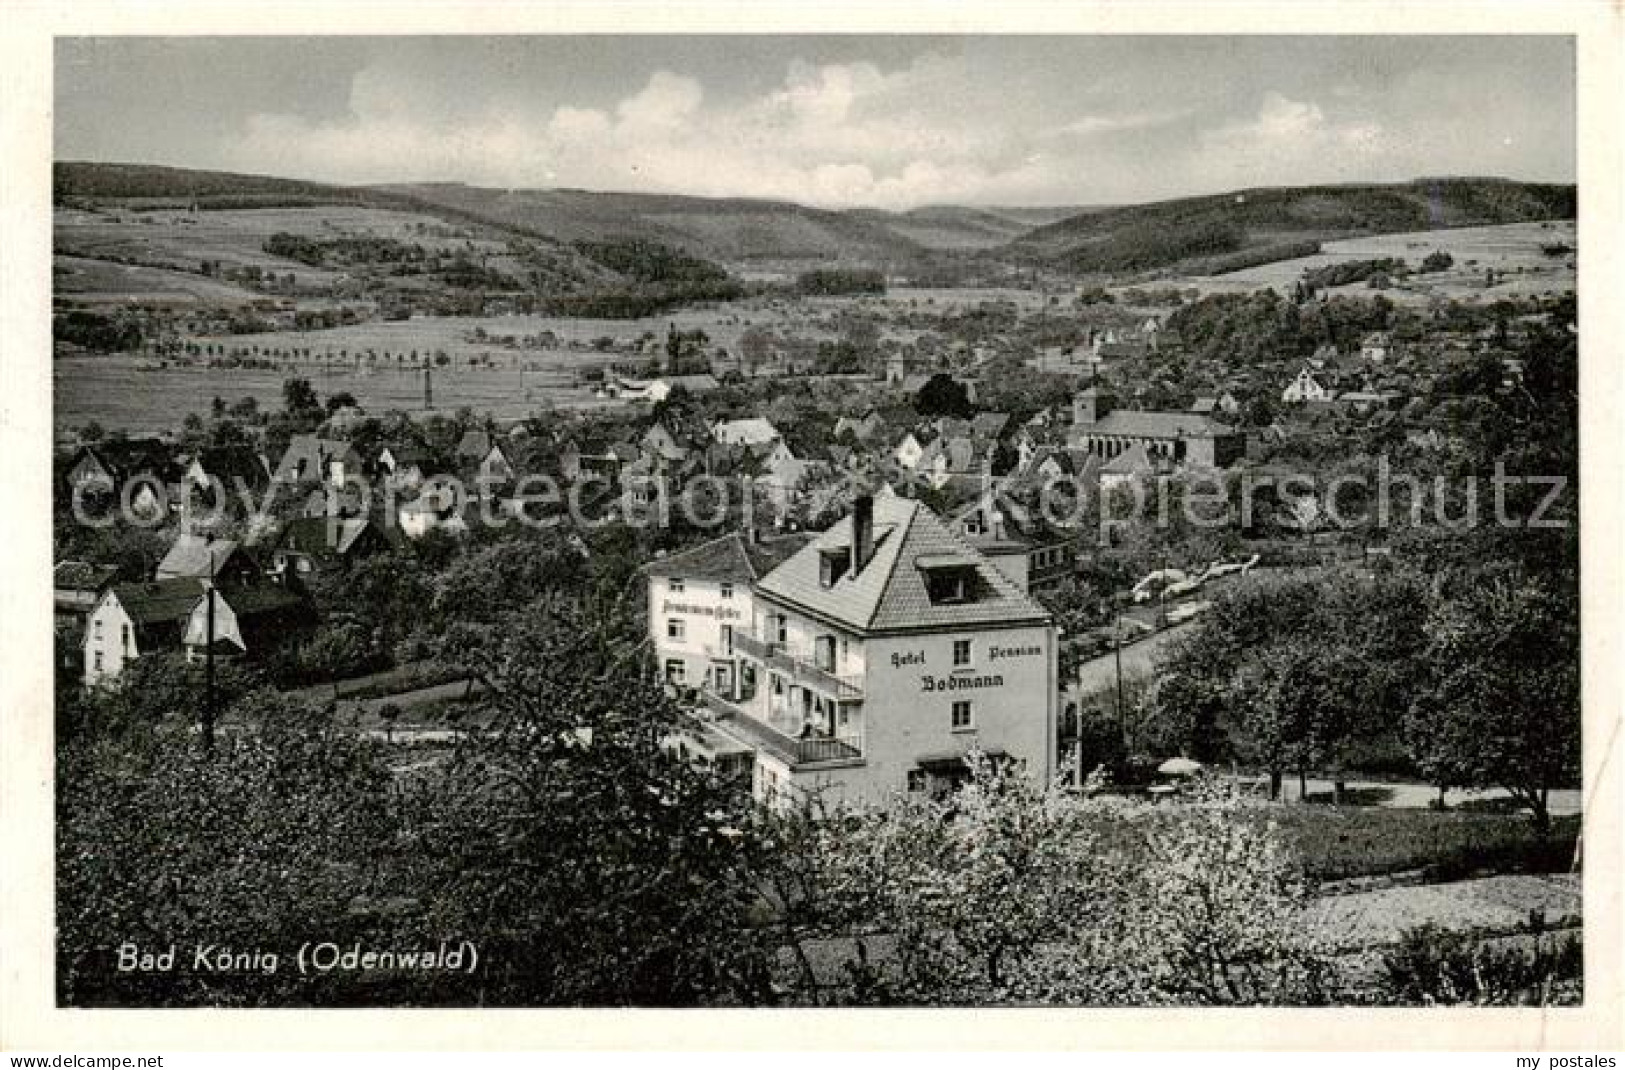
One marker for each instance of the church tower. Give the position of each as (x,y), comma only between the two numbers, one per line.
(1089,405)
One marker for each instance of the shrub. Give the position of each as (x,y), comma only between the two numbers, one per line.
(1433,966)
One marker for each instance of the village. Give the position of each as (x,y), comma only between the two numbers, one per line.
(823,580)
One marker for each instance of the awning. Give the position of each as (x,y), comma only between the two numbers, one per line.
(954,764)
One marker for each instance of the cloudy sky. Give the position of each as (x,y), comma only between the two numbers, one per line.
(885,121)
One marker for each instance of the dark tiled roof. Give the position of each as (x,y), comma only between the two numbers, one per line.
(309,535)
(474,445)
(1144,424)
(229,463)
(889,592)
(264,599)
(731,557)
(82,576)
(125,458)
(159,602)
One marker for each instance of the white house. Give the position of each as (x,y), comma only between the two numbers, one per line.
(1305,387)
(874,659)
(755,431)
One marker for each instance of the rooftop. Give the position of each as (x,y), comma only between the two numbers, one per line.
(889,592)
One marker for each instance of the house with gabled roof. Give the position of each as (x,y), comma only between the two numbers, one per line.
(698,597)
(231,467)
(751,431)
(1306,386)
(132,619)
(862,427)
(313,459)
(199,557)
(110,464)
(403,465)
(142,469)
(876,657)
(908,451)
(249,621)
(311,544)
(1017,539)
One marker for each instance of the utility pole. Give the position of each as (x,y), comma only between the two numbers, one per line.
(428,385)
(1117,656)
(208,665)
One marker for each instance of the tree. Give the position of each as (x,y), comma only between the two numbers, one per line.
(338,649)
(299,399)
(592,862)
(1502,705)
(283,836)
(942,395)
(966,887)
(1215,908)
(755,346)
(1438,260)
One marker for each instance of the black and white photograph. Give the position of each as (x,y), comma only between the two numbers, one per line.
(817,520)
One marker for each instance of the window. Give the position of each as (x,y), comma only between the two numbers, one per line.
(676,670)
(783,632)
(961,652)
(946,586)
(727,638)
(675,585)
(124,637)
(674,628)
(833,564)
(727,590)
(916,780)
(962,719)
(98,661)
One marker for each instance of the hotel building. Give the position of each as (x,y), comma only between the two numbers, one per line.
(866,664)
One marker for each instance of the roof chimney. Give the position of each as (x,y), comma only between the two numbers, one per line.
(863,531)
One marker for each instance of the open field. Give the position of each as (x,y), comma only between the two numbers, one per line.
(1512,249)
(175,238)
(134,394)
(87,280)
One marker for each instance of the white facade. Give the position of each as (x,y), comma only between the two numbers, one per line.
(110,640)
(691,625)
(889,713)
(1305,388)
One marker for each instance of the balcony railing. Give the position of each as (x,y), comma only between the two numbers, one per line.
(799,669)
(763,736)
(748,644)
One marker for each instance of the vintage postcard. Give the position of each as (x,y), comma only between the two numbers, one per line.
(1073,517)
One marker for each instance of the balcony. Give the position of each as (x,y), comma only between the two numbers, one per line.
(763,736)
(801,670)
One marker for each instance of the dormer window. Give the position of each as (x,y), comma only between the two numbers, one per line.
(946,587)
(949,578)
(833,563)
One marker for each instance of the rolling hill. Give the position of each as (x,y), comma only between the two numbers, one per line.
(725,229)
(1232,230)
(1192,235)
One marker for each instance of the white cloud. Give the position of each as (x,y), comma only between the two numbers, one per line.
(1289,137)
(838,134)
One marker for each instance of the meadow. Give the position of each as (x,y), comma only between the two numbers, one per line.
(1513,250)
(135,394)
